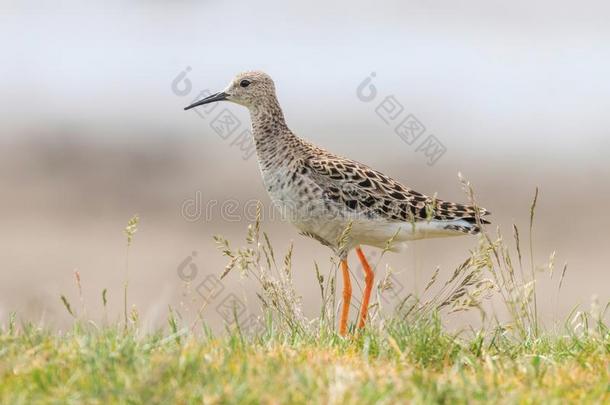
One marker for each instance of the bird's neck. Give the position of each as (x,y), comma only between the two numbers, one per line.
(267,117)
(271,134)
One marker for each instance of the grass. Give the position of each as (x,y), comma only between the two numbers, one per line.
(418,362)
(405,354)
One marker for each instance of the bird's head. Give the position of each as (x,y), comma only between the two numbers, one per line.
(250,89)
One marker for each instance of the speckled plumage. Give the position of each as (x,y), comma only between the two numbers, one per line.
(322,193)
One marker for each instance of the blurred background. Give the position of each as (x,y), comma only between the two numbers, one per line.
(92,131)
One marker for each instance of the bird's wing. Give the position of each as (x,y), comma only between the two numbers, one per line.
(364,190)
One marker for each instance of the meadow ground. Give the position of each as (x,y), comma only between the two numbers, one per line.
(417,363)
(403,355)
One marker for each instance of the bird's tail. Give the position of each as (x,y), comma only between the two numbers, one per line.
(469,224)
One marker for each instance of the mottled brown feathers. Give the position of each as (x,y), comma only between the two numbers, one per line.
(361,188)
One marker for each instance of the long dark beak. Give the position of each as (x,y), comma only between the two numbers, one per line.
(209,99)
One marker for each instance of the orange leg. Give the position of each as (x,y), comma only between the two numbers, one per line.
(347,297)
(369,277)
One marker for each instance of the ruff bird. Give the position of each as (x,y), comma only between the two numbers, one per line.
(339,202)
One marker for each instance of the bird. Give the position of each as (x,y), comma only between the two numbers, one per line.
(342,203)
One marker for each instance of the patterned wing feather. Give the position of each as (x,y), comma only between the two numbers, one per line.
(364,190)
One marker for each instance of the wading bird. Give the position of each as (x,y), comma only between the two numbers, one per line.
(339,202)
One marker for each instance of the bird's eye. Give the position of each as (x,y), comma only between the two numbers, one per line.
(244,83)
